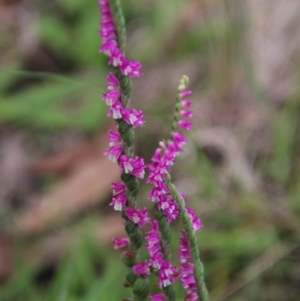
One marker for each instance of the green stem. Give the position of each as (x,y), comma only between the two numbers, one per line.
(182,86)
(176,115)
(192,240)
(119,21)
(164,231)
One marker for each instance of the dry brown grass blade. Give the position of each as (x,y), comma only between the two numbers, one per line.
(51,248)
(66,160)
(80,190)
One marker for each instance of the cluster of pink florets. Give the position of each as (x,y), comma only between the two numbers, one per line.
(165,271)
(110,46)
(161,162)
(133,166)
(164,157)
(187,270)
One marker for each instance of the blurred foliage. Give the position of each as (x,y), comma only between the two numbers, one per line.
(88,272)
(58,103)
(237,231)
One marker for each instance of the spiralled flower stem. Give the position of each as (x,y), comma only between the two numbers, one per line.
(192,240)
(125,82)
(166,213)
(125,130)
(119,21)
(139,285)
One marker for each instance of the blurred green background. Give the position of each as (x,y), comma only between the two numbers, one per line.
(240,170)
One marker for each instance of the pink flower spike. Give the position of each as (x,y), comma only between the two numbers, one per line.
(118,188)
(186,113)
(114,153)
(107,36)
(197,224)
(174,148)
(138,216)
(114,137)
(157,297)
(105,11)
(191,297)
(109,47)
(186,103)
(108,26)
(134,166)
(106,15)
(131,68)
(156,260)
(119,201)
(104,6)
(141,269)
(162,144)
(156,156)
(120,242)
(187,268)
(156,176)
(183,251)
(179,139)
(152,236)
(113,82)
(106,18)
(183,195)
(133,117)
(115,110)
(185,125)
(185,93)
(188,282)
(111,97)
(167,275)
(169,208)
(125,164)
(169,157)
(116,58)
(138,167)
